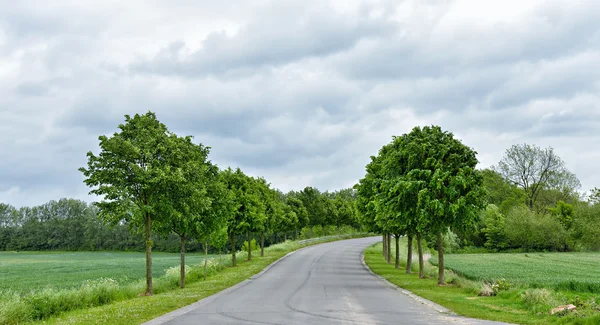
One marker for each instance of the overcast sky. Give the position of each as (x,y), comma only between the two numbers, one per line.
(300,92)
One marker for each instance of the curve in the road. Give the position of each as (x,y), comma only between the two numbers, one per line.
(321,284)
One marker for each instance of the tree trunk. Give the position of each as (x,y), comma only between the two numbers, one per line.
(249,234)
(389,248)
(409,255)
(262,244)
(148,255)
(397,252)
(233,261)
(440,247)
(421,262)
(384,247)
(182,266)
(206,257)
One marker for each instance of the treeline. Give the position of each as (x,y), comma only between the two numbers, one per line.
(541,210)
(73,225)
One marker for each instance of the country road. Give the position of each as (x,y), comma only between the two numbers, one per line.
(321,284)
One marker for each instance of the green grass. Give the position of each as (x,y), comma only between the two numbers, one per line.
(578,272)
(26,271)
(142,309)
(108,301)
(518,305)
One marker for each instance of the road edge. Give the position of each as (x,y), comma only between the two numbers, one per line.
(439,308)
(184,310)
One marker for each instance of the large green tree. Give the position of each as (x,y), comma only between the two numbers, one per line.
(245,207)
(128,173)
(193,194)
(452,194)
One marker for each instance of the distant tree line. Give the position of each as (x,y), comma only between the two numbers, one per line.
(73,225)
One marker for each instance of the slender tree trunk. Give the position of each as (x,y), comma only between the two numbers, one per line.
(409,254)
(262,244)
(384,247)
(397,252)
(148,255)
(233,261)
(249,234)
(206,257)
(389,248)
(421,262)
(440,246)
(182,266)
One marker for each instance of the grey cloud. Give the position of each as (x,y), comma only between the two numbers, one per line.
(287,32)
(32,89)
(300,94)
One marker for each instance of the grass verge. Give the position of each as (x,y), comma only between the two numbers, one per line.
(512,304)
(136,310)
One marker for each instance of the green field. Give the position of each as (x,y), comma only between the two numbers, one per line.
(25,271)
(560,271)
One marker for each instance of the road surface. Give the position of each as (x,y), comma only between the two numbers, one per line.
(321,284)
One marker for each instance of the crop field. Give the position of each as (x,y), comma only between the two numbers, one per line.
(24,271)
(560,271)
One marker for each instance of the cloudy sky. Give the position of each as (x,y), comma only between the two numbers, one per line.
(300,92)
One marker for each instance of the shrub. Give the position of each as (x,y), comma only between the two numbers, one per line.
(451,242)
(252,245)
(533,231)
(494,228)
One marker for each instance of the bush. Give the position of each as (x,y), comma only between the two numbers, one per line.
(252,245)
(585,230)
(451,242)
(494,228)
(531,231)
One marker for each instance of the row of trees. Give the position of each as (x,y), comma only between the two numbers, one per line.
(419,185)
(152,179)
(73,225)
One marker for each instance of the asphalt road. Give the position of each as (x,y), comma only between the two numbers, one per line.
(321,284)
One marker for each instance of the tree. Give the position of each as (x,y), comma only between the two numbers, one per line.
(534,169)
(564,212)
(127,174)
(494,228)
(299,210)
(313,201)
(244,204)
(367,190)
(194,195)
(594,196)
(451,193)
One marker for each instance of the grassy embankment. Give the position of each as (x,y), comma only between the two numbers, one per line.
(65,270)
(106,301)
(530,286)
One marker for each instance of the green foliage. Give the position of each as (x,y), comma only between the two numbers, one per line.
(585,230)
(129,175)
(594,197)
(252,245)
(451,242)
(564,212)
(494,228)
(530,231)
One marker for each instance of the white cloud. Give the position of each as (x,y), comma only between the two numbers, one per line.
(299,93)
